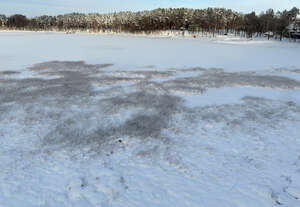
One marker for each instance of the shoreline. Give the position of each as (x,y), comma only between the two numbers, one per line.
(161,34)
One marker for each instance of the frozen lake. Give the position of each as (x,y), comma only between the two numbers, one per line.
(117,121)
(233,54)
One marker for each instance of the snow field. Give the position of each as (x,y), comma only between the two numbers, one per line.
(127,128)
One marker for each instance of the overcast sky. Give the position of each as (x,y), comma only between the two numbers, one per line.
(53,7)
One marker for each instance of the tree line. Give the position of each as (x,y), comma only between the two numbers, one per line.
(210,20)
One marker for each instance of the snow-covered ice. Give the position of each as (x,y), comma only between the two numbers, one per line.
(103,120)
(128,52)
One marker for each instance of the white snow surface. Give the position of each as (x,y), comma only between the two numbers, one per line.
(129,52)
(148,121)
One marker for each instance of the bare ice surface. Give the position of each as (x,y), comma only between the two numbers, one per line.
(98,127)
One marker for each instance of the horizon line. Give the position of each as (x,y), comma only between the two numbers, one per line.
(144,10)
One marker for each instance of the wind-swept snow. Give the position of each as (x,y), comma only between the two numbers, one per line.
(160,129)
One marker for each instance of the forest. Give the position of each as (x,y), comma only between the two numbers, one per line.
(210,20)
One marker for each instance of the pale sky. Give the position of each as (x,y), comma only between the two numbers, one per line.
(54,7)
